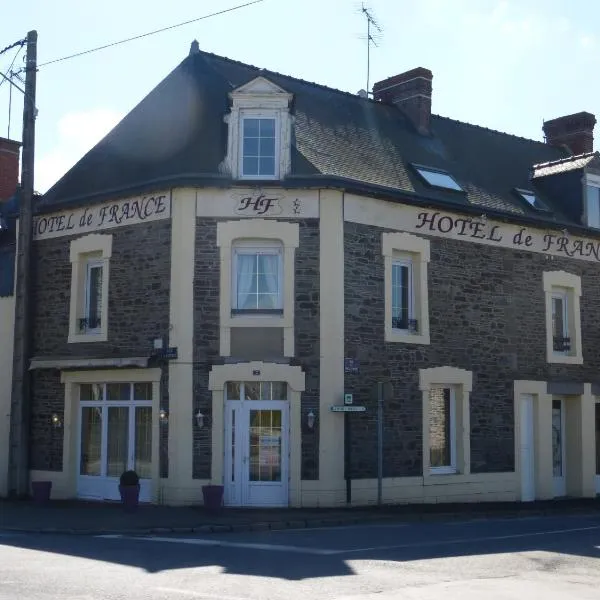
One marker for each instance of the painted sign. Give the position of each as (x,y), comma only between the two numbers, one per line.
(89,219)
(472,229)
(347,408)
(259,203)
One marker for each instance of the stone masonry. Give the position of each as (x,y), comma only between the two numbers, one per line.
(138,311)
(487,315)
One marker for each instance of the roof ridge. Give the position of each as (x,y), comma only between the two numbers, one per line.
(497,131)
(572,157)
(299,79)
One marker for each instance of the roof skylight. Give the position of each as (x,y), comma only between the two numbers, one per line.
(438,179)
(531,199)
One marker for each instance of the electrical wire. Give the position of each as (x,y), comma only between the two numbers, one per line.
(10,46)
(143,35)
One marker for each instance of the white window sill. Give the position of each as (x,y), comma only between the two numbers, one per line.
(565,359)
(87,338)
(405,337)
(259,177)
(443,471)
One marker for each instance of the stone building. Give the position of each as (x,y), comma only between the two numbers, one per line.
(244,249)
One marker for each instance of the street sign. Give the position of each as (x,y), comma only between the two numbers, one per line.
(347,399)
(351,365)
(346,408)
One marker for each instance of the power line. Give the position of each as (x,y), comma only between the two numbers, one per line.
(143,35)
(10,46)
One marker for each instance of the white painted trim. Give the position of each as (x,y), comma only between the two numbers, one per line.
(561,280)
(79,252)
(418,249)
(229,233)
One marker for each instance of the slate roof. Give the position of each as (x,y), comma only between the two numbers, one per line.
(563,165)
(176,136)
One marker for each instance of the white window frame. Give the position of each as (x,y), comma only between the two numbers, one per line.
(258,114)
(568,286)
(231,233)
(405,260)
(591,181)
(451,468)
(92,263)
(398,247)
(461,382)
(259,98)
(90,249)
(267,247)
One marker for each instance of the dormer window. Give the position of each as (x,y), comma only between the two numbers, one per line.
(592,194)
(532,199)
(260,125)
(259,144)
(438,178)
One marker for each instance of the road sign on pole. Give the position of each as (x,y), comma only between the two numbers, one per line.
(347,408)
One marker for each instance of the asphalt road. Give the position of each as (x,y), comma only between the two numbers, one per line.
(544,557)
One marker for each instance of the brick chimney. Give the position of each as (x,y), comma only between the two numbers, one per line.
(576,132)
(9,168)
(411,92)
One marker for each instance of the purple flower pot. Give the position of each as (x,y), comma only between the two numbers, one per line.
(130,496)
(41,491)
(213,497)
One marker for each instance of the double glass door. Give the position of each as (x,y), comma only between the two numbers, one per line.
(256,444)
(115,436)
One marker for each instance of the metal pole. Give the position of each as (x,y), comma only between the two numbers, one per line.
(379,442)
(347,461)
(20,401)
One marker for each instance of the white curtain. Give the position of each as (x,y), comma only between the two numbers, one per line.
(245,279)
(270,269)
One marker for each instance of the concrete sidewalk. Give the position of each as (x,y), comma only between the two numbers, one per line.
(91,518)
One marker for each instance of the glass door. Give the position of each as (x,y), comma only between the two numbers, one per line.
(558,447)
(115,435)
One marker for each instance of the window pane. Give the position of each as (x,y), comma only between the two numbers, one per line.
(246,280)
(265,445)
(94,309)
(440,454)
(267,127)
(118,391)
(250,166)
(251,127)
(593,204)
(117,440)
(143,442)
(557,442)
(91,392)
(233,390)
(400,296)
(267,302)
(91,441)
(558,325)
(267,166)
(250,146)
(251,390)
(142,391)
(267,146)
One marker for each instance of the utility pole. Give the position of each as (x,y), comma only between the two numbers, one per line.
(21,389)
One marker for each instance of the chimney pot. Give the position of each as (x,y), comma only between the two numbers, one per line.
(9,168)
(194,47)
(411,92)
(576,132)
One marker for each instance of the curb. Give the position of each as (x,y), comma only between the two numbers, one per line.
(311,523)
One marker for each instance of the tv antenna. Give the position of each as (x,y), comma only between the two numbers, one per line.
(374,33)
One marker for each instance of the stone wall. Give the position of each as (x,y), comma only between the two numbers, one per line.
(138,312)
(487,315)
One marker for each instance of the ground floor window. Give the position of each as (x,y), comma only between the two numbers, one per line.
(442,430)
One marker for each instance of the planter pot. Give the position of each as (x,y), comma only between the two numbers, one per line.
(130,496)
(41,491)
(213,497)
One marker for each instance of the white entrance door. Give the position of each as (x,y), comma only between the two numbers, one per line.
(526,449)
(558,448)
(115,435)
(598,447)
(257,445)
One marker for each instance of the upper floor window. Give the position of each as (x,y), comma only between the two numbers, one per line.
(259,145)
(561,341)
(403,299)
(593,205)
(438,178)
(91,321)
(259,132)
(257,279)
